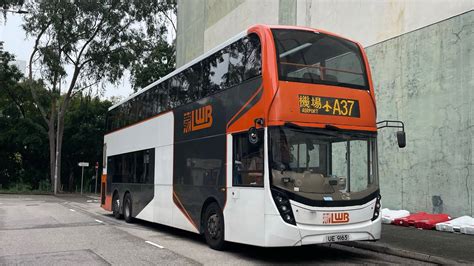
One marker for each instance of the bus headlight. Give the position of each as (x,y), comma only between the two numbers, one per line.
(377,208)
(284,207)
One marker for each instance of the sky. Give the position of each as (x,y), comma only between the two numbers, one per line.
(17,43)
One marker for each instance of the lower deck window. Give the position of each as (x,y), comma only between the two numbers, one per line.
(133,167)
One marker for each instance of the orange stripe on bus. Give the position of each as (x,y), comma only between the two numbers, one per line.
(183,210)
(245,105)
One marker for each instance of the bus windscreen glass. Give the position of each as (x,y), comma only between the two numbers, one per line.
(323,165)
(314,57)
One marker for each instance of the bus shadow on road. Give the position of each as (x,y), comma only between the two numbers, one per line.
(300,254)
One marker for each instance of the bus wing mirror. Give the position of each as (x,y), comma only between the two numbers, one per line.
(401,139)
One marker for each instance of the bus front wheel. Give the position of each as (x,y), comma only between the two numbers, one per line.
(214,227)
(127,208)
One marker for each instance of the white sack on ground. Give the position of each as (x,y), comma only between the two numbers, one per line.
(455,224)
(389,215)
(468,229)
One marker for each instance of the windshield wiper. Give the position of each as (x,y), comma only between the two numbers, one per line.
(294,126)
(332,127)
(320,131)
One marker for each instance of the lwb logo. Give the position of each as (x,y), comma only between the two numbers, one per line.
(197,119)
(335,218)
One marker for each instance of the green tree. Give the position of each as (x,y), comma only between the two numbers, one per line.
(84,129)
(93,41)
(23,141)
(159,56)
(10,165)
(14,6)
(158,61)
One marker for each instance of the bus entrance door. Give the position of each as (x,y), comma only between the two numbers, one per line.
(244,211)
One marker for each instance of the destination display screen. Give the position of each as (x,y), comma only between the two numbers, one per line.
(311,104)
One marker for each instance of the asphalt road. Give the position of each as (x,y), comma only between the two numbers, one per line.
(73,230)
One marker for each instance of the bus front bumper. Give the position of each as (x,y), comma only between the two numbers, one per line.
(280,233)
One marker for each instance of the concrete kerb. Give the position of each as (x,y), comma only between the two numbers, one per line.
(401,253)
(29,193)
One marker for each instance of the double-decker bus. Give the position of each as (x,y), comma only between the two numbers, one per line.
(270,139)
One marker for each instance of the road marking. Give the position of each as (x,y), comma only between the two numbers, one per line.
(99,221)
(154,244)
(89,201)
(72,210)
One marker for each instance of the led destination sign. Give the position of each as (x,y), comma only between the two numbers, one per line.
(310,104)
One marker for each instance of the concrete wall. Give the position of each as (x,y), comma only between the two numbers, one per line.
(372,21)
(204,24)
(421,55)
(426,78)
(190,32)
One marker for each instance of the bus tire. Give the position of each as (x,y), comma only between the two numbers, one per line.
(127,208)
(116,206)
(214,227)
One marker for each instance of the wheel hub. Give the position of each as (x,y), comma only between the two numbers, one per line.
(117,204)
(213,226)
(127,210)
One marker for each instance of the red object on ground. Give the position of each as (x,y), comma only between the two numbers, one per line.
(432,220)
(422,220)
(410,219)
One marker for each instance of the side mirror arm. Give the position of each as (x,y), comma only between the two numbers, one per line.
(391,123)
(401,136)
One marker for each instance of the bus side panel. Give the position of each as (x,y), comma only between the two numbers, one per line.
(200,174)
(160,134)
(163,185)
(149,134)
(142,195)
(200,148)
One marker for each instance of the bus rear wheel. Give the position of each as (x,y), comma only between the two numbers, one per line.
(116,206)
(127,208)
(214,227)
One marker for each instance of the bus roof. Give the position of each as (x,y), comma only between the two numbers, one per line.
(217,48)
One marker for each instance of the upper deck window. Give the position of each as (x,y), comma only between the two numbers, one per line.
(313,57)
(226,68)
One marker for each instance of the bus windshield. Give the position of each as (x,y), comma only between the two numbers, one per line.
(323,165)
(313,57)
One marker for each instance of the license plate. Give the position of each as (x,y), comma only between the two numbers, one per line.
(338,238)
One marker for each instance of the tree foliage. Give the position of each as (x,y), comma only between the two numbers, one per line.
(159,56)
(23,138)
(10,6)
(159,61)
(84,129)
(79,44)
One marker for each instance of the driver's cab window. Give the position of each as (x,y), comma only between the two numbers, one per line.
(307,157)
(248,163)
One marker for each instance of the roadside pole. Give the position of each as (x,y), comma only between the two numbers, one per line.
(83,164)
(96,172)
(82,179)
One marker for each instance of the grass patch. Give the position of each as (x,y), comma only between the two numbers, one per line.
(44,188)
